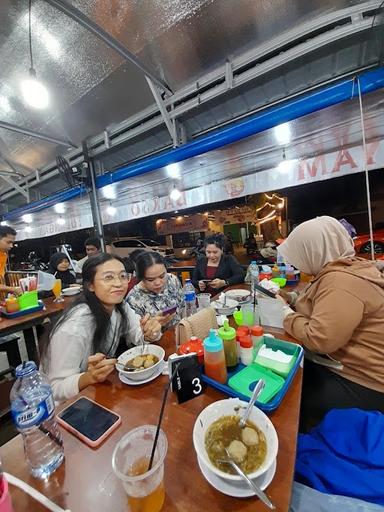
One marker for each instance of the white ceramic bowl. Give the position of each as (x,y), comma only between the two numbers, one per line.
(228,309)
(230,407)
(238,294)
(136,351)
(74,290)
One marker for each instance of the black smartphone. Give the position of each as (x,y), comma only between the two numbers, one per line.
(169,311)
(206,281)
(89,421)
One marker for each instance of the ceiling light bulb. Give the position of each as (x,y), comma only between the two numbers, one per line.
(34,92)
(60,221)
(27,218)
(286,165)
(173,170)
(175,194)
(28,229)
(111,210)
(283,133)
(109,192)
(59,208)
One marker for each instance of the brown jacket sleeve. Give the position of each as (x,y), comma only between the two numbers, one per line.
(336,314)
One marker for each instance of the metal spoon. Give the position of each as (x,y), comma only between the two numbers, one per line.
(256,392)
(126,368)
(255,488)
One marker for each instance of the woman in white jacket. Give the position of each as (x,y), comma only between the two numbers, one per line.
(82,346)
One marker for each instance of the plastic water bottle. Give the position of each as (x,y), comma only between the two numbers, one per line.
(190,298)
(254,272)
(33,412)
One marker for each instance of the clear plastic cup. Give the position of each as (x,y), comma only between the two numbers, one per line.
(203,300)
(130,459)
(250,314)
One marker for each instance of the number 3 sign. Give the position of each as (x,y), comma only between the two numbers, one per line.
(187,382)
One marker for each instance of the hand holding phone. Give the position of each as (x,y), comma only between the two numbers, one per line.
(169,311)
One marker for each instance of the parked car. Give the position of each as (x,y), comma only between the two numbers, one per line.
(125,245)
(363,245)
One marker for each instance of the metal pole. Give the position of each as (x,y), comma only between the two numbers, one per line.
(92,190)
(36,135)
(109,40)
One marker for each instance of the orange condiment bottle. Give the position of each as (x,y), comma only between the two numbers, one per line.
(214,358)
(12,304)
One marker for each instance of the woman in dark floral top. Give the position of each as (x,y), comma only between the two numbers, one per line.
(157,291)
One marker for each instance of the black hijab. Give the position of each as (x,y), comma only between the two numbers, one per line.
(67,278)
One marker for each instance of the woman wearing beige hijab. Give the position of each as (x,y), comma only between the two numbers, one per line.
(340,314)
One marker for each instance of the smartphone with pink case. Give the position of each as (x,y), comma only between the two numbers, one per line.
(89,421)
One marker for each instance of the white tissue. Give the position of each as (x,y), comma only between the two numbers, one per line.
(221,319)
(275,355)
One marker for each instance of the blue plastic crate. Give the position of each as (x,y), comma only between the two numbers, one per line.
(276,400)
(23,312)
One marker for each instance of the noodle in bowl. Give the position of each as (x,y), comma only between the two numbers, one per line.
(230,407)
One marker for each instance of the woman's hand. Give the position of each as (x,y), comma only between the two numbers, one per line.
(164,319)
(217,283)
(151,327)
(281,299)
(16,290)
(99,367)
(202,286)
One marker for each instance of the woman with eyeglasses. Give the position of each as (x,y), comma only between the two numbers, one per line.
(157,293)
(83,344)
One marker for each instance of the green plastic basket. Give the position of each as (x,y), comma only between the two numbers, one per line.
(28,300)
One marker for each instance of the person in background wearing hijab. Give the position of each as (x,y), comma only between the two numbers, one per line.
(341,314)
(59,267)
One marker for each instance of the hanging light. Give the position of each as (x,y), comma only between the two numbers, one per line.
(283,133)
(111,210)
(285,165)
(175,194)
(59,208)
(60,221)
(173,171)
(34,92)
(109,192)
(27,218)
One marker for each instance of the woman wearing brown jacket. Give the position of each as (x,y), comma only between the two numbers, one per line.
(340,314)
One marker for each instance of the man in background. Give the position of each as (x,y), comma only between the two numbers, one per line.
(92,247)
(7,239)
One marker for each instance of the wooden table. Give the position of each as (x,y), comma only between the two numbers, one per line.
(26,323)
(85,482)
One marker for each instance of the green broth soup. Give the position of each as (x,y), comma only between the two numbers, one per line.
(247,446)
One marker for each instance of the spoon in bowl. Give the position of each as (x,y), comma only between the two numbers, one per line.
(255,488)
(255,395)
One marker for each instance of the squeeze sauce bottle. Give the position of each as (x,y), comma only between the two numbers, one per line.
(214,358)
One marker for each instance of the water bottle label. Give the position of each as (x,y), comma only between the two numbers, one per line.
(35,415)
(190,296)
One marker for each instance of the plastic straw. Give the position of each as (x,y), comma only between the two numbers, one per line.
(34,493)
(166,389)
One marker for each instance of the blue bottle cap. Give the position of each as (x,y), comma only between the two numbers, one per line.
(25,369)
(213,343)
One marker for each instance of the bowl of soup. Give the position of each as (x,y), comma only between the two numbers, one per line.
(254,447)
(138,364)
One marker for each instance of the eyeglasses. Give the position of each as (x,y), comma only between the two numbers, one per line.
(121,277)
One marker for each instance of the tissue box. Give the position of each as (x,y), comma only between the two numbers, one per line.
(288,348)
